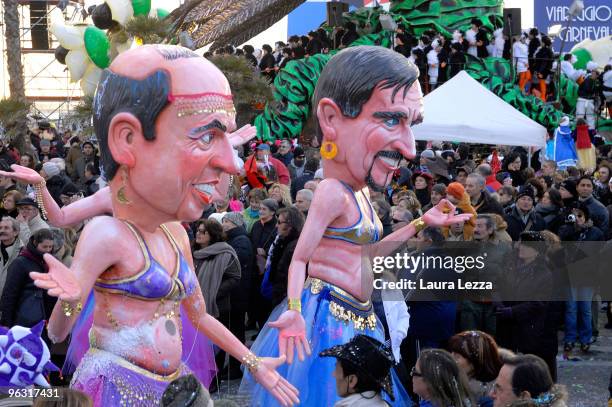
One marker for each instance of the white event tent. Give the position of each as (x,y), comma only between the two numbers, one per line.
(462,110)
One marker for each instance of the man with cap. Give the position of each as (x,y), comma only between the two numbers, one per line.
(29,219)
(258,165)
(237,238)
(297,165)
(362,372)
(522,216)
(569,194)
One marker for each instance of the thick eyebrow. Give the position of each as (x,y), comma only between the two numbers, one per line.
(390,115)
(215,124)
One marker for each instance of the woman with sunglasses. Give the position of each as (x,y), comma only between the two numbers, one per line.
(438,381)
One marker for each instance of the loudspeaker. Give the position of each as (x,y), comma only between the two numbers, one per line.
(512,21)
(334,13)
(38,24)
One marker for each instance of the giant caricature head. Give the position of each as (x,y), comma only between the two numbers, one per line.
(162,114)
(367,98)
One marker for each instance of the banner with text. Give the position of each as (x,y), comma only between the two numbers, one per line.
(594,22)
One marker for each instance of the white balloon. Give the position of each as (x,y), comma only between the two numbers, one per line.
(90,79)
(121,10)
(69,37)
(77,61)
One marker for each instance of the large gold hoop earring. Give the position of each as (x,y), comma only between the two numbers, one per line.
(329,149)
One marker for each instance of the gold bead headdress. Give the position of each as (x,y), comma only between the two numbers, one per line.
(202,103)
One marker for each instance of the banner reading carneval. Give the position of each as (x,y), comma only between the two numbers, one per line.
(594,22)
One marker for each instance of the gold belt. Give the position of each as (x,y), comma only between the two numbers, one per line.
(343,306)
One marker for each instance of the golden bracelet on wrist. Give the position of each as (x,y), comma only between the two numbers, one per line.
(419,224)
(39,198)
(295,304)
(70,310)
(251,362)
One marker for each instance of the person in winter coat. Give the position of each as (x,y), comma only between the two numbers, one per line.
(480,199)
(237,238)
(551,209)
(523,217)
(262,237)
(528,326)
(543,65)
(218,271)
(597,211)
(25,304)
(289,225)
(217,266)
(456,59)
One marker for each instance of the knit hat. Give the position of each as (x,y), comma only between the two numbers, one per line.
(45,142)
(428,154)
(51,169)
(455,189)
(263,146)
(234,217)
(298,151)
(570,186)
(270,204)
(526,190)
(531,236)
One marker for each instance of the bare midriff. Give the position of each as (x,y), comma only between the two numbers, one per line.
(347,271)
(144,332)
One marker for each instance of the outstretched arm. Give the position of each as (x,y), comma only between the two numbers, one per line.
(443,214)
(96,251)
(97,204)
(327,205)
(265,372)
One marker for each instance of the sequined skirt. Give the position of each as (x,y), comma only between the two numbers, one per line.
(113,381)
(332,318)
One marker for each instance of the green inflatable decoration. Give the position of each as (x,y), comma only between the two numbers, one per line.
(582,58)
(141,7)
(97,46)
(294,85)
(161,13)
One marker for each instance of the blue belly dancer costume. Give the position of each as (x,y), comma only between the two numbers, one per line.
(332,317)
(110,379)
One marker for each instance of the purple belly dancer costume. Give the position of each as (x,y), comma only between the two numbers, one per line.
(107,376)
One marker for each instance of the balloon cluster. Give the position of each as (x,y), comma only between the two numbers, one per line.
(86,49)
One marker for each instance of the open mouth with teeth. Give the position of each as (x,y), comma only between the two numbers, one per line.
(391,159)
(205,192)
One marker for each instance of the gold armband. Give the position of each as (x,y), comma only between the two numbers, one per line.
(251,362)
(419,224)
(39,198)
(295,304)
(70,310)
